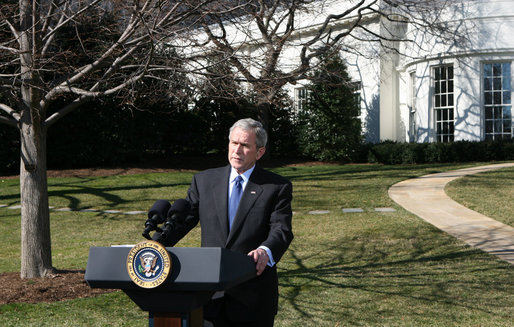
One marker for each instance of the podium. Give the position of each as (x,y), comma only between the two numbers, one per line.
(196,274)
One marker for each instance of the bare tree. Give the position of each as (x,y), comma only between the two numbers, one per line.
(50,64)
(54,56)
(257,36)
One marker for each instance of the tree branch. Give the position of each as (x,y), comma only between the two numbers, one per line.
(8,121)
(63,22)
(66,110)
(14,116)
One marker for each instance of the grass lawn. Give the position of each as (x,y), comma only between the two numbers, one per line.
(490,193)
(342,269)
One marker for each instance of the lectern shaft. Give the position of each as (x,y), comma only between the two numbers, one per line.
(169,319)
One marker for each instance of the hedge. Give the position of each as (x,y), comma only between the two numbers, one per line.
(389,152)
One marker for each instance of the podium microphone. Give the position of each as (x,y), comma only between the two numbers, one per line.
(156,215)
(176,215)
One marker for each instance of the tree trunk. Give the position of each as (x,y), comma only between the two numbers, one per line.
(36,257)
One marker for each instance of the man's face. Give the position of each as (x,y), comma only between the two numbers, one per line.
(242,150)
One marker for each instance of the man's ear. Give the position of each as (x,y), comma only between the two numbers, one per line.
(260,152)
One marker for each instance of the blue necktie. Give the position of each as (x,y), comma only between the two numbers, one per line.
(237,191)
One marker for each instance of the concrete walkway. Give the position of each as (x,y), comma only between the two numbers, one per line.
(425,197)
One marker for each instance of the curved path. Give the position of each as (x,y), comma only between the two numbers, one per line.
(425,197)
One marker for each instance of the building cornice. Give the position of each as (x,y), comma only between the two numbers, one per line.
(455,55)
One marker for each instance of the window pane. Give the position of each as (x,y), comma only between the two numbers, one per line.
(506,69)
(488,70)
(437,72)
(488,113)
(507,113)
(497,83)
(443,87)
(506,82)
(498,126)
(497,98)
(450,115)
(488,84)
(488,98)
(506,97)
(497,69)
(443,100)
(489,126)
(497,112)
(437,101)
(450,72)
(506,126)
(450,99)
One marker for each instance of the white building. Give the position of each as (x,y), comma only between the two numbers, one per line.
(439,92)
(426,89)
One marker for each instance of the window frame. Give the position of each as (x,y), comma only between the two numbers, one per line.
(412,106)
(443,102)
(489,89)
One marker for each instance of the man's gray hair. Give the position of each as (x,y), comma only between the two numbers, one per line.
(249,124)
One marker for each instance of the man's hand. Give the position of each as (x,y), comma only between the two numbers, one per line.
(260,257)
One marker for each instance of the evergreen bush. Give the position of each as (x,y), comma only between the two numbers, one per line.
(328,125)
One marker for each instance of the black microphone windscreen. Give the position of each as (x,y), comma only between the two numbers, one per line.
(160,208)
(181,206)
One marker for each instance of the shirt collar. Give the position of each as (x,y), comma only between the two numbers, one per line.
(245,175)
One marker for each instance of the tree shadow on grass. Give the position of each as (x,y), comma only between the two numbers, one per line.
(366,171)
(435,272)
(106,194)
(74,191)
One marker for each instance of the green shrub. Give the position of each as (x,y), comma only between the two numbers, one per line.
(389,152)
(328,125)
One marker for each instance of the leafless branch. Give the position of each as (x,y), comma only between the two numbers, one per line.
(14,116)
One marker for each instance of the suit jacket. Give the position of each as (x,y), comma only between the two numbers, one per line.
(263,218)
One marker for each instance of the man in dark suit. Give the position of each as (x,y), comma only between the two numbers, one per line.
(261,226)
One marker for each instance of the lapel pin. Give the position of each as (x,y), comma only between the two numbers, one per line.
(252,192)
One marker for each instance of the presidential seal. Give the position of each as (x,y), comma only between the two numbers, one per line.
(148,264)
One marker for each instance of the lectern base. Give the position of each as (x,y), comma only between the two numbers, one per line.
(171,319)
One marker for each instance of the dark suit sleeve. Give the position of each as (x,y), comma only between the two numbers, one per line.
(280,233)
